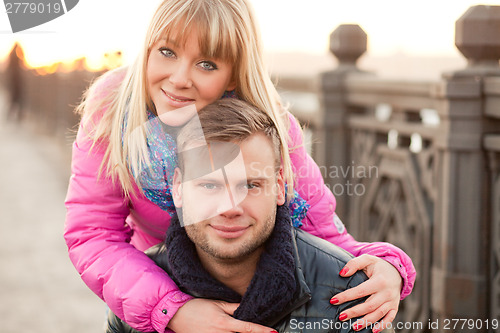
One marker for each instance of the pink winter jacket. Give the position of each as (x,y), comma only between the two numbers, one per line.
(106,234)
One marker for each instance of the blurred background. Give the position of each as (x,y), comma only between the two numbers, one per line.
(376,84)
(295,34)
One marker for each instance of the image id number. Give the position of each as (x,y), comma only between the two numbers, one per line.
(470,324)
(32,8)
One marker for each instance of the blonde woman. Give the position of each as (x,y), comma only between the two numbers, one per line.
(119,201)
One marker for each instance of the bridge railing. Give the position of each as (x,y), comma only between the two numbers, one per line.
(417,164)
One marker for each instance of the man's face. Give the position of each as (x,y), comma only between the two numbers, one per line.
(229,213)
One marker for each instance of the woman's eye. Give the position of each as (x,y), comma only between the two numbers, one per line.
(208,65)
(167,52)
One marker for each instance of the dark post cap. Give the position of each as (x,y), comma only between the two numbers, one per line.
(348,42)
(477,35)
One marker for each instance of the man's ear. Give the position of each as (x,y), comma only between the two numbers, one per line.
(177,188)
(280,182)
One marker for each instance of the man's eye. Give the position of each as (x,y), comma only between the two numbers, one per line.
(208,186)
(167,52)
(208,65)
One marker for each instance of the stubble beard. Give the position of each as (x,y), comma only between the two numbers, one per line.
(240,252)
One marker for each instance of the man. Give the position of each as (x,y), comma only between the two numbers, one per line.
(233,239)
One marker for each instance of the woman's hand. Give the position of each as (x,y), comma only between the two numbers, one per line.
(208,316)
(383,288)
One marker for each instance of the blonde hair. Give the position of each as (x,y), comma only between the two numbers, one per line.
(227,30)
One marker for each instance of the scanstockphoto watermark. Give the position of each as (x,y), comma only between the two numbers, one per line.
(24,15)
(324,324)
(448,324)
(331,324)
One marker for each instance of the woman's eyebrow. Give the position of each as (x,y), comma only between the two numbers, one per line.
(169,40)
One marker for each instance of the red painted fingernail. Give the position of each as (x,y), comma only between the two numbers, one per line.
(344,271)
(273,331)
(357,327)
(342,317)
(334,301)
(376,330)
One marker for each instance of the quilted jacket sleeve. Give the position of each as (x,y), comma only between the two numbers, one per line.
(321,219)
(130,283)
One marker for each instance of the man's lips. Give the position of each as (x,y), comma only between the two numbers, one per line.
(232,231)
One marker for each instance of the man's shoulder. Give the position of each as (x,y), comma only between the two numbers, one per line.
(310,243)
(319,255)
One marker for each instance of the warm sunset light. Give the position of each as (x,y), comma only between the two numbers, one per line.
(47,69)
(92,64)
(423,28)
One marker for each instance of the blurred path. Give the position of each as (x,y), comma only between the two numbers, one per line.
(40,291)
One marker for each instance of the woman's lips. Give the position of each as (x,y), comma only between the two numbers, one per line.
(229,231)
(177,101)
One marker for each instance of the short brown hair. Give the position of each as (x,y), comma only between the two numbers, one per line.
(229,120)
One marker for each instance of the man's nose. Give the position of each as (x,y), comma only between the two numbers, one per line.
(230,204)
(231,211)
(180,76)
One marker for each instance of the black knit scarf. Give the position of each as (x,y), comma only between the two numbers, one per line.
(271,289)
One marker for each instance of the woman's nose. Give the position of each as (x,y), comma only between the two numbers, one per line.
(180,76)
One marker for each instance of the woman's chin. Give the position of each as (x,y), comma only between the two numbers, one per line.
(177,117)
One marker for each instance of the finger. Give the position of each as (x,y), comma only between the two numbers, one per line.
(386,322)
(236,325)
(363,289)
(228,308)
(356,264)
(376,318)
(371,305)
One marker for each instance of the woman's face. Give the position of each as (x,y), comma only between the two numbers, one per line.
(183,80)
